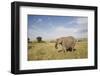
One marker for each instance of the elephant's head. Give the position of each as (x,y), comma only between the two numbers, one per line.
(58,42)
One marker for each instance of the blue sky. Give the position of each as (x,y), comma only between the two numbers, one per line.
(52,27)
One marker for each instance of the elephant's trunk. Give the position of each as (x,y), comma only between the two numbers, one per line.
(56,46)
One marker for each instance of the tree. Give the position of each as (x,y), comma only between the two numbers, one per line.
(28,40)
(39,39)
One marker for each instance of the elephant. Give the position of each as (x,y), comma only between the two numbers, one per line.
(67,43)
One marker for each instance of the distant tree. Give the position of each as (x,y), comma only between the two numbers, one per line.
(28,40)
(39,39)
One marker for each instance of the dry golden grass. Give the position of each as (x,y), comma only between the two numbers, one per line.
(47,51)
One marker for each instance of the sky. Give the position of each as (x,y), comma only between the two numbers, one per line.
(52,27)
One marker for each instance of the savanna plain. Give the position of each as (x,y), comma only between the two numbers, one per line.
(47,51)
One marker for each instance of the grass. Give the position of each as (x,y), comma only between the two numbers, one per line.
(47,51)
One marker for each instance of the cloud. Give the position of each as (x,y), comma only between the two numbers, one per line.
(39,20)
(63,31)
(77,28)
(34,32)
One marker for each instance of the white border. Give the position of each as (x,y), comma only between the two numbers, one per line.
(26,65)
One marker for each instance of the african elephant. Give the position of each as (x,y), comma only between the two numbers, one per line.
(67,43)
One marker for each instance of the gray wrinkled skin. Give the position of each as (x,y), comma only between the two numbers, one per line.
(67,43)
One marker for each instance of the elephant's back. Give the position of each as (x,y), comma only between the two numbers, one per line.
(69,41)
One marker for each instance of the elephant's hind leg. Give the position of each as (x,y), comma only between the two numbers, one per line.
(69,49)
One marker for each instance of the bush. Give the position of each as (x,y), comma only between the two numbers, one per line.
(39,39)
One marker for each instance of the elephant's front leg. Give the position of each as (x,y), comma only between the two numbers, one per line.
(64,49)
(59,48)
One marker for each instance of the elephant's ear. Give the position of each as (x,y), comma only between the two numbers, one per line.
(60,40)
(57,40)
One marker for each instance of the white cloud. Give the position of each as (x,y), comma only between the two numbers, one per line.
(83,20)
(61,31)
(39,19)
